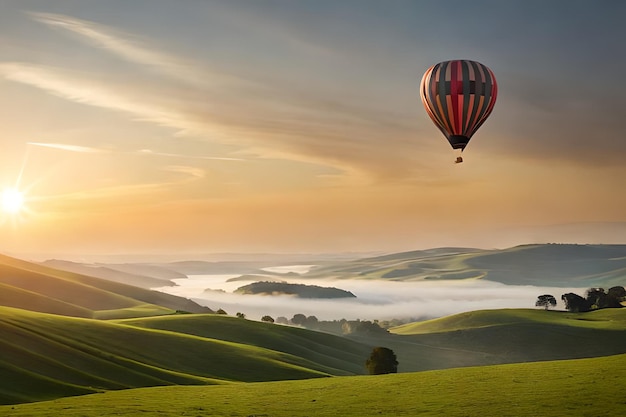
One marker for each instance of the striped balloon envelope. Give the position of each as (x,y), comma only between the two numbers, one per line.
(458,96)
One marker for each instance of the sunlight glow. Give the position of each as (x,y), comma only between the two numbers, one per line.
(12,200)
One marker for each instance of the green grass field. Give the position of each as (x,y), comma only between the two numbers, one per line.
(606,319)
(122,339)
(587,387)
(49,356)
(345,355)
(490,337)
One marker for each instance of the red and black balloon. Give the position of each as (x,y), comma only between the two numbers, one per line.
(458,96)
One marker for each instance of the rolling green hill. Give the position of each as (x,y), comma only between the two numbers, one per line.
(605,319)
(588,387)
(559,265)
(40,288)
(337,352)
(507,336)
(143,344)
(49,355)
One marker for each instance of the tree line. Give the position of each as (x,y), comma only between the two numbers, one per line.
(594,299)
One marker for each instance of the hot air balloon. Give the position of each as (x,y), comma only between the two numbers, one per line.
(458,96)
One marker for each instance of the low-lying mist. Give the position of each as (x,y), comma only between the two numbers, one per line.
(376,299)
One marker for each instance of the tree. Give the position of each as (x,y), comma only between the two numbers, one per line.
(311,322)
(282,320)
(382,360)
(617,295)
(597,298)
(618,292)
(220,311)
(575,303)
(241,315)
(546,301)
(268,319)
(363,327)
(298,319)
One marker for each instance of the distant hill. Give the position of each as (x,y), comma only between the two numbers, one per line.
(40,288)
(118,273)
(299,290)
(559,265)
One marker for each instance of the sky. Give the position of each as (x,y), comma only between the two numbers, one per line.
(209,126)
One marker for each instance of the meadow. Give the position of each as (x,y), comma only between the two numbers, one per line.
(587,387)
(78,345)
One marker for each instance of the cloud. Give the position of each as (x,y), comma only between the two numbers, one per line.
(123,45)
(72,87)
(305,125)
(147,152)
(191,171)
(176,155)
(70,148)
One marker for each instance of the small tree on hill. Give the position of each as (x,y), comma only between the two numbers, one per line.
(268,319)
(382,360)
(241,315)
(546,301)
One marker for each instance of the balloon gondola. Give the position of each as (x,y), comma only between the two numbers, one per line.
(458,96)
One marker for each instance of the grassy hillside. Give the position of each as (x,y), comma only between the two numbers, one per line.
(605,319)
(589,387)
(541,265)
(49,355)
(39,288)
(507,336)
(116,273)
(333,351)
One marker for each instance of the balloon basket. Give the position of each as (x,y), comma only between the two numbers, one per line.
(458,160)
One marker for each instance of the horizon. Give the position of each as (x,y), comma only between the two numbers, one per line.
(284,256)
(277,126)
(173,256)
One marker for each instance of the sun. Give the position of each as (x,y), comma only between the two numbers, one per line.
(12,200)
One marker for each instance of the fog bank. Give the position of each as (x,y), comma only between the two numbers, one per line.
(376,299)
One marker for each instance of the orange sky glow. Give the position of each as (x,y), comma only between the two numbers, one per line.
(298,127)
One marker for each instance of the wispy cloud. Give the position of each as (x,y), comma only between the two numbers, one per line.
(69,148)
(130,48)
(147,152)
(125,195)
(187,170)
(72,87)
(297,124)
(176,155)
